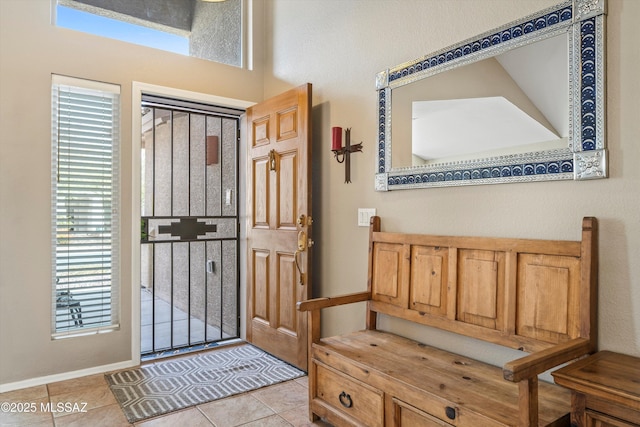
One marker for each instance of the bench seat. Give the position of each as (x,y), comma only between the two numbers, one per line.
(409,375)
(537,297)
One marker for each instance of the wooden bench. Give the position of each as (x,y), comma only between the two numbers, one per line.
(537,296)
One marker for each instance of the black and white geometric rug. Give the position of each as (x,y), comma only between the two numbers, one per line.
(170,385)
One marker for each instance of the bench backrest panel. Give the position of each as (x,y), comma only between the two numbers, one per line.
(520,293)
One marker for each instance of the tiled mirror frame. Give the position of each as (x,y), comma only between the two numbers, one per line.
(586,155)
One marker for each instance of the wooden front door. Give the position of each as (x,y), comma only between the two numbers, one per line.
(279,208)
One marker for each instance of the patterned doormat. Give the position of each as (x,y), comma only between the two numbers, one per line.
(176,384)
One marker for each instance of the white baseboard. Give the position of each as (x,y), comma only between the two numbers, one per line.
(32,382)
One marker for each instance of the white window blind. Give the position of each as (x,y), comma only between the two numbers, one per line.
(85,193)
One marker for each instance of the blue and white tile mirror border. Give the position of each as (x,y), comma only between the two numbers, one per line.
(584,158)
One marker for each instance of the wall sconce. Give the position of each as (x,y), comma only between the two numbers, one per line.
(343,154)
(212,150)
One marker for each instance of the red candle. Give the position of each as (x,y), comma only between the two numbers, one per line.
(336,141)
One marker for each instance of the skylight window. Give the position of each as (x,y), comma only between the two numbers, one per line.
(107,27)
(202,29)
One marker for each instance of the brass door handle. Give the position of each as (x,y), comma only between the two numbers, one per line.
(272,160)
(302,246)
(302,241)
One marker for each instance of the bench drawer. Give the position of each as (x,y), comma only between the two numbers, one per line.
(406,415)
(349,396)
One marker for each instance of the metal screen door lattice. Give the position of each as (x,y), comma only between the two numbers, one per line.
(189,226)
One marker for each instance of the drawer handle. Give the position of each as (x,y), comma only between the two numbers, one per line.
(345,400)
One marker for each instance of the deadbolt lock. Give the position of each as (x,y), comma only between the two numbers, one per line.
(304,220)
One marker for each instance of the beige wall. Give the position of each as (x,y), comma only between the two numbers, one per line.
(31,49)
(340,46)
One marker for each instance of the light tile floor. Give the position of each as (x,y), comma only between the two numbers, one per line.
(63,404)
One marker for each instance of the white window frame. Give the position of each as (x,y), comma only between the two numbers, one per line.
(90,304)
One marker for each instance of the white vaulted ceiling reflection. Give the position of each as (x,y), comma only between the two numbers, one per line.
(517,100)
(482,125)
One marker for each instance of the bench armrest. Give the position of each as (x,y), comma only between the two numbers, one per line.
(318,303)
(541,361)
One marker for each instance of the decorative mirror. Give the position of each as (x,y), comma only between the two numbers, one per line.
(524,102)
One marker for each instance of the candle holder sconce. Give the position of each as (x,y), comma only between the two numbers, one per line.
(343,153)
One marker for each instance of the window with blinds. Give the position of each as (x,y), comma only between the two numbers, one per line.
(85,192)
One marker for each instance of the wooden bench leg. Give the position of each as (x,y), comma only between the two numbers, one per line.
(528,402)
(313,417)
(578,405)
(313,325)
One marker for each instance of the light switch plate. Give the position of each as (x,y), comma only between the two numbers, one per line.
(364,216)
